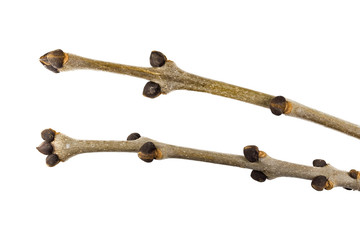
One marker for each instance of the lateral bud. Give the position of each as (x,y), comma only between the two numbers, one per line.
(251,153)
(319,163)
(321,182)
(157,59)
(48,135)
(148,152)
(152,90)
(133,136)
(258,176)
(354,174)
(279,105)
(52,160)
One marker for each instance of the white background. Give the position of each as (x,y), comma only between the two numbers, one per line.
(308,51)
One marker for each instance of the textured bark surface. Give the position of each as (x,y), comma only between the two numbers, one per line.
(323,177)
(170,77)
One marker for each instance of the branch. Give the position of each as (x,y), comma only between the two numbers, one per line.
(165,77)
(60,148)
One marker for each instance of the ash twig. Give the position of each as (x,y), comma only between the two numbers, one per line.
(165,77)
(60,148)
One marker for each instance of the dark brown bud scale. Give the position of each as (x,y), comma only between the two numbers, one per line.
(319,163)
(258,176)
(319,183)
(152,90)
(147,152)
(251,153)
(52,160)
(54,60)
(45,148)
(51,68)
(157,59)
(48,135)
(133,136)
(279,105)
(354,174)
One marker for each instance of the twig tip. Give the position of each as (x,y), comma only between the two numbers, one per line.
(54,60)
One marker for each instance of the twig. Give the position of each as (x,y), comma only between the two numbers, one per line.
(60,148)
(165,77)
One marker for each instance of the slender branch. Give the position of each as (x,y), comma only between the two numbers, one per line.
(60,148)
(165,77)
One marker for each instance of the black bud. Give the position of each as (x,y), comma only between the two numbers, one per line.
(258,176)
(319,183)
(278,105)
(48,135)
(45,148)
(251,153)
(148,148)
(147,152)
(52,160)
(319,163)
(133,136)
(152,90)
(354,174)
(157,59)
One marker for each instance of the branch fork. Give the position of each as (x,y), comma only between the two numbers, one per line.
(59,148)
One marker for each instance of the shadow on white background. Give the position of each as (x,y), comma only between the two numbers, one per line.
(307,51)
